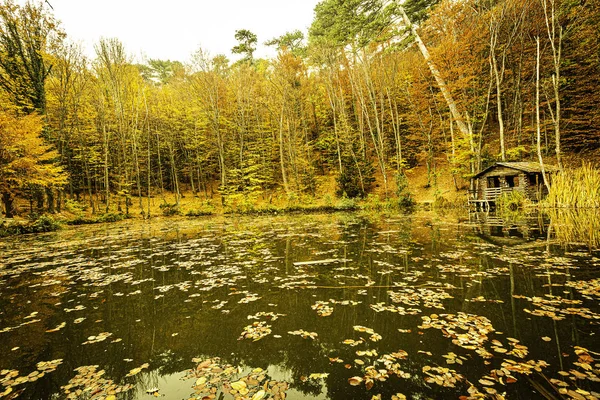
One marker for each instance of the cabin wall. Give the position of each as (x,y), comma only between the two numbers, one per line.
(526,184)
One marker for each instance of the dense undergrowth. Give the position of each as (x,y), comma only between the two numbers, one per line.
(43,223)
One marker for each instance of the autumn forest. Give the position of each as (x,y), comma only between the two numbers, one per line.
(374,90)
(400,202)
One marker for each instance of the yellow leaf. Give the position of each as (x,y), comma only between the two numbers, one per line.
(355,380)
(239,385)
(259,395)
(201,381)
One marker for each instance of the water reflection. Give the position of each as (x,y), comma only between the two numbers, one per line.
(171,292)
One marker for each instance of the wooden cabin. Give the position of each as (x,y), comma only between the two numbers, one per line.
(505,177)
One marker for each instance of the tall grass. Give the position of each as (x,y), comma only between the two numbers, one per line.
(575,226)
(575,188)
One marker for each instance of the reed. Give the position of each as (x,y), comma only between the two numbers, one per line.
(570,226)
(575,188)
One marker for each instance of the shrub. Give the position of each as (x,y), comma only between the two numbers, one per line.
(346,204)
(405,198)
(108,217)
(169,209)
(111,217)
(43,223)
(511,201)
(441,203)
(75,207)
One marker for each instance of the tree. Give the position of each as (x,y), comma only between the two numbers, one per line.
(247,44)
(161,71)
(24,158)
(355,22)
(26,34)
(292,41)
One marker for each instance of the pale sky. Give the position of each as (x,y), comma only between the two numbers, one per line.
(175,29)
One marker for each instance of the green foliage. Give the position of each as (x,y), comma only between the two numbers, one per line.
(107,217)
(290,41)
(43,223)
(356,178)
(346,203)
(246,44)
(161,71)
(75,207)
(243,203)
(357,22)
(26,35)
(111,217)
(170,209)
(206,208)
(402,192)
(441,203)
(512,201)
(418,10)
(516,153)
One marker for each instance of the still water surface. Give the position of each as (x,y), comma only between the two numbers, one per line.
(307,307)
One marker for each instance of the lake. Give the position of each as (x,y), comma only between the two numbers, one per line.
(338,306)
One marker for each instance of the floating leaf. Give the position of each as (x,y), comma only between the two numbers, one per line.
(355,380)
(259,395)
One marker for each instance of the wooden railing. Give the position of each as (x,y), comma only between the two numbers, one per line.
(494,193)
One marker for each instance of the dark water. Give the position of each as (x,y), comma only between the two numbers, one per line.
(420,305)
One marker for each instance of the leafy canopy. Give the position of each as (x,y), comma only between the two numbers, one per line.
(356,22)
(24,158)
(26,35)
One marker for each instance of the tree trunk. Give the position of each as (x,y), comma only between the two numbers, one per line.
(7,199)
(281,153)
(50,197)
(551,21)
(537,112)
(456,115)
(106,181)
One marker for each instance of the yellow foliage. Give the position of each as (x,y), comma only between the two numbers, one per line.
(24,157)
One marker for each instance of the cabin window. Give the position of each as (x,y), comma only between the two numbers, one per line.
(493,182)
(512,181)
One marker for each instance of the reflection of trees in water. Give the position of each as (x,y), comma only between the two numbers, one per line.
(146,322)
(558,226)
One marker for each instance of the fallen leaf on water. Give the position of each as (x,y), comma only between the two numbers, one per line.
(58,328)
(355,380)
(137,370)
(239,385)
(201,381)
(259,395)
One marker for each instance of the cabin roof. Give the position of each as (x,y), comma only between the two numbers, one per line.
(523,166)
